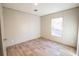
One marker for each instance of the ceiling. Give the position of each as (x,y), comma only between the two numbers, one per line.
(43,8)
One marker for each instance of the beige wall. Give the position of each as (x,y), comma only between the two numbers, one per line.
(69,26)
(20,26)
(2,30)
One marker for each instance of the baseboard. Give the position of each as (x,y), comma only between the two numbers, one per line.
(59,42)
(22,42)
(47,39)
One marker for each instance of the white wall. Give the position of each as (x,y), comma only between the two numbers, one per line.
(20,26)
(69,26)
(2,30)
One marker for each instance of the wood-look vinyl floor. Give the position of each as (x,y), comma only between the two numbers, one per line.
(40,47)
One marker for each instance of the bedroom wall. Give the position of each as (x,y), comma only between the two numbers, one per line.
(69,26)
(20,26)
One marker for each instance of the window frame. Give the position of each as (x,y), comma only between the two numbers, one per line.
(62,26)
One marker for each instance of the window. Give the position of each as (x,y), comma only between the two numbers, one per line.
(56,27)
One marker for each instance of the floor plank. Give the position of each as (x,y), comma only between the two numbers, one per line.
(40,47)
